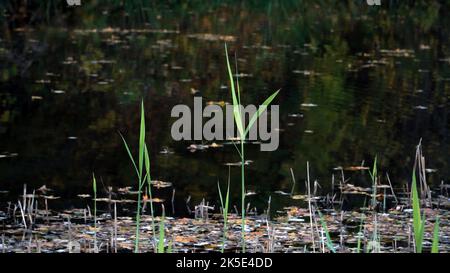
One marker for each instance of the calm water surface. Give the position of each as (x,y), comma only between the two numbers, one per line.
(378,81)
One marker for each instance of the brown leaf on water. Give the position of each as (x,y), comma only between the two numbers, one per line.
(185,239)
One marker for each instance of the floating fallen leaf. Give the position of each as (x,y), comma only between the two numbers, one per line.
(160,184)
(356,168)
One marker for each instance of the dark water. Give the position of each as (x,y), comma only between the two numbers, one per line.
(380,79)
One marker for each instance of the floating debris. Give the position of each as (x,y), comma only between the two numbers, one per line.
(69,61)
(36,98)
(250,193)
(51,197)
(306,72)
(299,197)
(212,37)
(308,105)
(215,145)
(236,164)
(84,195)
(405,53)
(220,103)
(43,189)
(295,115)
(352,189)
(197,147)
(160,184)
(194,91)
(42,81)
(420,107)
(356,168)
(166,151)
(282,192)
(8,155)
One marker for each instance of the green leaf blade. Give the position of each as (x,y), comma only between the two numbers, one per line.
(435,244)
(141,139)
(261,110)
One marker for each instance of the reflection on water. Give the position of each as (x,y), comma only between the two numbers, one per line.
(356,83)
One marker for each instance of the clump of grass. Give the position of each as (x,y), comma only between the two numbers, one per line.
(224,213)
(243,131)
(374,244)
(418,220)
(143,155)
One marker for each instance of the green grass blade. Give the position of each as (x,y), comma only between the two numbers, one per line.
(130,155)
(261,110)
(418,224)
(373,176)
(236,110)
(224,212)
(220,195)
(161,235)
(149,181)
(169,247)
(328,241)
(227,199)
(435,244)
(141,139)
(94,184)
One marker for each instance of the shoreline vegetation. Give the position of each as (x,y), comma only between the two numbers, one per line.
(417,222)
(413,224)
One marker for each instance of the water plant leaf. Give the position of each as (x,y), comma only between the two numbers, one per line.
(435,244)
(161,235)
(236,103)
(328,242)
(94,184)
(129,154)
(261,110)
(149,183)
(418,224)
(360,234)
(373,176)
(141,140)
